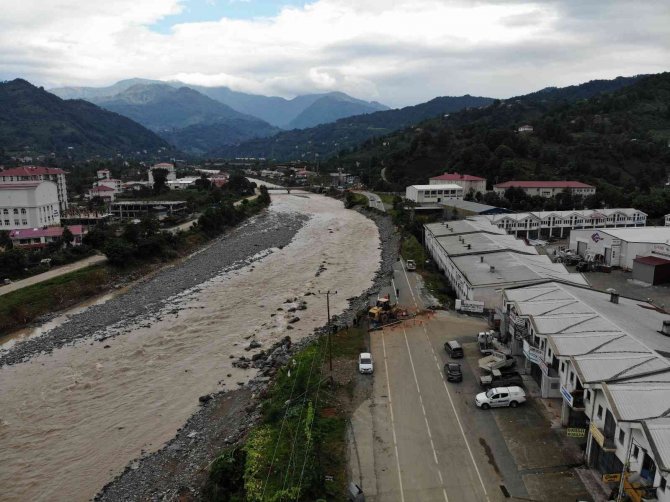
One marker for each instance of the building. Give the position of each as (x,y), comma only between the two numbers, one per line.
(525,129)
(667,220)
(479,259)
(618,247)
(171,172)
(546,188)
(34,173)
(116,185)
(138,209)
(135,186)
(182,183)
(341,180)
(106,193)
(465,181)
(606,358)
(85,218)
(28,204)
(536,224)
(433,194)
(469,208)
(104,174)
(33,238)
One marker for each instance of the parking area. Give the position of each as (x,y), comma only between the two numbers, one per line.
(421,438)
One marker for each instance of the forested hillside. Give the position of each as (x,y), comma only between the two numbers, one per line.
(617,140)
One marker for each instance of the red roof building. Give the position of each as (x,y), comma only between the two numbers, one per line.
(40,237)
(37,173)
(102,191)
(546,188)
(467,182)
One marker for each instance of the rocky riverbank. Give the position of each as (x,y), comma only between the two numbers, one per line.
(179,469)
(144,303)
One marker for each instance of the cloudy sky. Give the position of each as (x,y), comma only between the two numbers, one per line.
(399,52)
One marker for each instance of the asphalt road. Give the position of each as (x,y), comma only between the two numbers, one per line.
(374,201)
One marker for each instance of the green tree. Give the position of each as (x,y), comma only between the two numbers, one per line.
(160,177)
(67,237)
(5,241)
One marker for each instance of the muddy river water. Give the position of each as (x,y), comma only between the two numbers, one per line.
(71,421)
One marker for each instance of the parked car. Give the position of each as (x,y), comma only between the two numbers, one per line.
(411,265)
(365,365)
(500,396)
(454,349)
(453,372)
(501,379)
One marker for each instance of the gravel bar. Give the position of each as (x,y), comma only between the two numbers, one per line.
(144,301)
(179,470)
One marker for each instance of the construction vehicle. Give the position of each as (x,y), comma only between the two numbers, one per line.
(384,312)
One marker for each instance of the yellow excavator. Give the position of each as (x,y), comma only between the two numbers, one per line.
(384,312)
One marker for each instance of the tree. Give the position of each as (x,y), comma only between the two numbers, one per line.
(5,241)
(203,183)
(160,176)
(67,237)
(119,252)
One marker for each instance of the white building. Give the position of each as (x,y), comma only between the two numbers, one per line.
(107,194)
(114,184)
(28,204)
(182,183)
(171,171)
(104,174)
(618,247)
(478,259)
(536,224)
(32,238)
(433,194)
(605,356)
(466,181)
(546,189)
(33,173)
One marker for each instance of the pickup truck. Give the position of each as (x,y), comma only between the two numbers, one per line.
(498,379)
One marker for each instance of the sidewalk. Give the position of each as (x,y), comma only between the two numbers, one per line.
(55,272)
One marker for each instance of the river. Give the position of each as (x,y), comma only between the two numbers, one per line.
(72,420)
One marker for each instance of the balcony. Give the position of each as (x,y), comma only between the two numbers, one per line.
(605,442)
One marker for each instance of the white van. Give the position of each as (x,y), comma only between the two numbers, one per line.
(500,396)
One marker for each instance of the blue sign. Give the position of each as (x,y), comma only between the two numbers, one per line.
(567,396)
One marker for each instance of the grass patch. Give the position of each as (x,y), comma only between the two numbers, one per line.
(20,307)
(298,451)
(411,249)
(387,198)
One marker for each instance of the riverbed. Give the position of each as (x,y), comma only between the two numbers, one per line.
(72,420)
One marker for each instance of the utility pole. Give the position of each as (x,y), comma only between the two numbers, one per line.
(329,327)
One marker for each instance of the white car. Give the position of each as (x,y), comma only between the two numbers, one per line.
(500,396)
(410,265)
(365,365)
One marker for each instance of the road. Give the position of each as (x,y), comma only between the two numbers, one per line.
(54,272)
(422,438)
(374,201)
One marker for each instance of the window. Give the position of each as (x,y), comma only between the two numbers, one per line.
(5,211)
(563,367)
(636,452)
(587,394)
(24,222)
(16,222)
(622,436)
(16,211)
(23,210)
(7,222)
(572,377)
(663,483)
(600,411)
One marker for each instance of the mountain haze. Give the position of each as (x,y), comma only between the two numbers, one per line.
(39,121)
(279,112)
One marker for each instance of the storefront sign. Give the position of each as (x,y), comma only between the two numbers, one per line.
(567,396)
(597,436)
(472,306)
(614,477)
(595,237)
(533,354)
(661,250)
(576,432)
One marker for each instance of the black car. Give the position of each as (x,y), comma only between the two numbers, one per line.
(453,372)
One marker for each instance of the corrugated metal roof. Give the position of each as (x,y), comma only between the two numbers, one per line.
(610,367)
(658,434)
(640,401)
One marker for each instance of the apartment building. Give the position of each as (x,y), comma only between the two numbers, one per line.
(466,181)
(28,204)
(434,194)
(34,174)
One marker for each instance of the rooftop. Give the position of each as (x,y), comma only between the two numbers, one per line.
(20,186)
(101,188)
(31,233)
(446,186)
(543,184)
(30,171)
(653,235)
(457,177)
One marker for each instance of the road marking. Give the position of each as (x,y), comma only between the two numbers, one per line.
(458,420)
(425,417)
(408,284)
(395,440)
(397,299)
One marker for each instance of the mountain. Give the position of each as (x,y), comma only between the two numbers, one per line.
(331,107)
(617,140)
(329,139)
(277,111)
(35,120)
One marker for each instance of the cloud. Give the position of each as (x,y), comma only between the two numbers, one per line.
(399,52)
